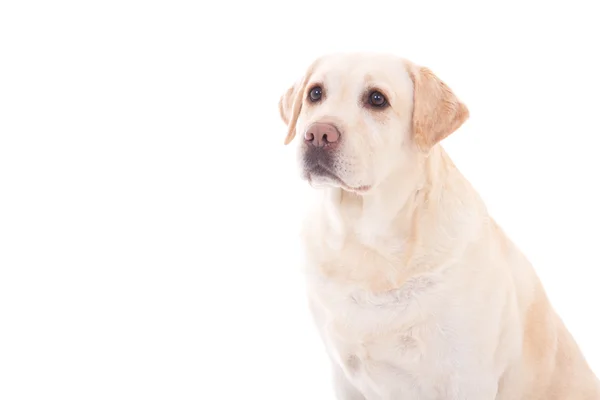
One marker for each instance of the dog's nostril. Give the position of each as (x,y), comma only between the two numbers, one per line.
(321,134)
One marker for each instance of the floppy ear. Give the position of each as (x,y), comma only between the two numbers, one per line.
(290,105)
(437,112)
(285,104)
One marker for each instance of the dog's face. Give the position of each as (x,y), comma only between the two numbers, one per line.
(362,116)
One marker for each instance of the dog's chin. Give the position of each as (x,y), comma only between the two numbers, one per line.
(321,182)
(321,178)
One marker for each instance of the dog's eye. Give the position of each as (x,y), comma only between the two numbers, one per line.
(315,94)
(376,99)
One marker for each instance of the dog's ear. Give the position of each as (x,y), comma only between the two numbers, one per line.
(285,104)
(286,110)
(437,112)
(290,103)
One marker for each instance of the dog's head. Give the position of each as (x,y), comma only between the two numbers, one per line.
(362,116)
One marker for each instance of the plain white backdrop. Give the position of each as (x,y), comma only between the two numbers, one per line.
(149,211)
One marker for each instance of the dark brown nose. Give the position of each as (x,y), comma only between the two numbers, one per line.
(321,134)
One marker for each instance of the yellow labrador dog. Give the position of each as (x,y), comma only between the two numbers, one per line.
(416,291)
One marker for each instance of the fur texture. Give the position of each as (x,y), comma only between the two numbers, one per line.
(416,291)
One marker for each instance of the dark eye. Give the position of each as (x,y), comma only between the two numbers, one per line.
(376,99)
(315,94)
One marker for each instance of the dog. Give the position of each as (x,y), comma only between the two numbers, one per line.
(417,293)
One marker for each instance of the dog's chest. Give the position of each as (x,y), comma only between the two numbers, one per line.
(376,323)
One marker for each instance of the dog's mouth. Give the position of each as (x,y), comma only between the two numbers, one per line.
(318,170)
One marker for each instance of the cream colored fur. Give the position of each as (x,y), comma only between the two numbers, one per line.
(416,291)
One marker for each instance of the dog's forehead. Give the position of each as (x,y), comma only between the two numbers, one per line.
(361,69)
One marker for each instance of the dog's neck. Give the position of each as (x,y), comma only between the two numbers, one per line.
(412,206)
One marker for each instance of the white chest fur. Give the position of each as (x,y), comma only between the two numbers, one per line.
(382,342)
(391,333)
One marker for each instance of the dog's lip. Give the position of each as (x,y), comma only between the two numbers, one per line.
(321,170)
(360,189)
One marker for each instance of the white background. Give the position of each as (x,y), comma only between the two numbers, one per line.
(149,211)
